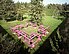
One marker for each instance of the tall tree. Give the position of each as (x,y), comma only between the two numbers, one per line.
(22,9)
(7,9)
(65,11)
(36,11)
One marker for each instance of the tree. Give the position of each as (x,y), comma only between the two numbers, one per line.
(7,9)
(65,11)
(36,11)
(22,9)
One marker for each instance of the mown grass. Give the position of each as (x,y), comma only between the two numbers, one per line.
(47,21)
(51,22)
(30,30)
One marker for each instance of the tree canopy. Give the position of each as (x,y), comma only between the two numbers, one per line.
(36,10)
(7,9)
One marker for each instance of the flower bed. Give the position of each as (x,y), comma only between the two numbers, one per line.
(34,38)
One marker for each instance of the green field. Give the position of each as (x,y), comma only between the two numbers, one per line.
(48,21)
(30,30)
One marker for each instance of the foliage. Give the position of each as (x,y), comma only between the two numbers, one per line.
(54,10)
(36,11)
(22,9)
(52,45)
(7,10)
(8,44)
(65,11)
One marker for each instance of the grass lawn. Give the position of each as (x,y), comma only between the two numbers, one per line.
(47,21)
(30,29)
(51,22)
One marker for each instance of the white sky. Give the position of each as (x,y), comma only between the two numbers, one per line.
(45,2)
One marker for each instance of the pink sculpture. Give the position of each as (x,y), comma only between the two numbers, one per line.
(29,40)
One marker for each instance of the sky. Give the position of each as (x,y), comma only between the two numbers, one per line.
(45,2)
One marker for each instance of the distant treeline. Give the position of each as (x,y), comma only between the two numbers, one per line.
(14,11)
